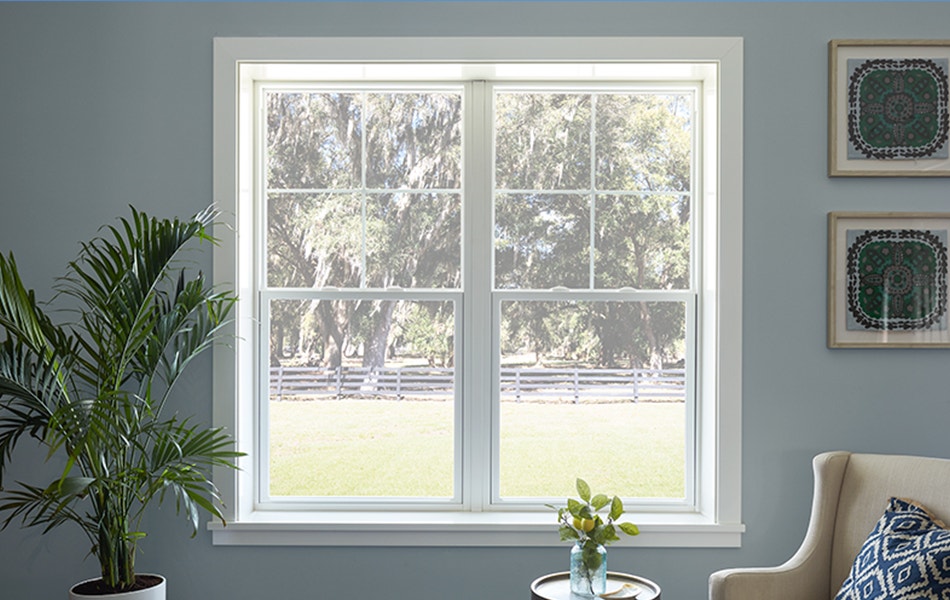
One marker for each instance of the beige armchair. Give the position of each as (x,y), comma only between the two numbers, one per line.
(851,493)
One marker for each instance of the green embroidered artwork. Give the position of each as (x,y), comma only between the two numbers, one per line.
(896,280)
(897,109)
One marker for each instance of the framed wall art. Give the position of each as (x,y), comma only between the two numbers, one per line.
(888,111)
(887,280)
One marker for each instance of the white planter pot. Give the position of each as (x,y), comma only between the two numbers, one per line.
(156,592)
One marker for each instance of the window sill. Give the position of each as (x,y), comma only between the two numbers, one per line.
(456,529)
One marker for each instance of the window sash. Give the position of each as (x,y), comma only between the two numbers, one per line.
(262,471)
(690,301)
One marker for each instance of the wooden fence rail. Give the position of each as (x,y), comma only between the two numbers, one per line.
(517,384)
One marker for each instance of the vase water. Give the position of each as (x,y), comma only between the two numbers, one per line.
(588,569)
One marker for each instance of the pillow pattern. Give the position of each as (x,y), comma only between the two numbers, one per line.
(906,556)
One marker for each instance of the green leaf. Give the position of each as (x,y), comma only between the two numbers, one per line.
(616,508)
(596,535)
(599,501)
(574,507)
(71,486)
(568,533)
(629,529)
(583,490)
(591,557)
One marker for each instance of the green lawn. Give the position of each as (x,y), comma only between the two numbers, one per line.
(388,448)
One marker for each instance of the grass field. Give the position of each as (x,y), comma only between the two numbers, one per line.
(405,448)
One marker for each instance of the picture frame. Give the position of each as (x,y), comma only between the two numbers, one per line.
(887,280)
(888,112)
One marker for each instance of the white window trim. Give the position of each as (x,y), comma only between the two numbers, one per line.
(717,522)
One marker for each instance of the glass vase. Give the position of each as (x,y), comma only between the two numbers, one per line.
(588,569)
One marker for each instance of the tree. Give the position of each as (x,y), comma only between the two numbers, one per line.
(378,229)
(638,198)
(593,192)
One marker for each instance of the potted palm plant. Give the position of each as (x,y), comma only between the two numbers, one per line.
(93,391)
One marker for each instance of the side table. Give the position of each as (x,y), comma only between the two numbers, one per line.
(557,586)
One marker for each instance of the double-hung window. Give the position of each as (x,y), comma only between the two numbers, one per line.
(471,271)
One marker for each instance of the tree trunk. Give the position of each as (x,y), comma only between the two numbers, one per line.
(374,350)
(374,356)
(332,352)
(646,318)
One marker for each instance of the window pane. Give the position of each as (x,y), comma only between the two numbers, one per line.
(321,240)
(542,241)
(644,141)
(542,141)
(362,398)
(593,390)
(313,140)
(314,240)
(414,140)
(414,240)
(642,242)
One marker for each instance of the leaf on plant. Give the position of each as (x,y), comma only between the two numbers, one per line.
(70,486)
(568,533)
(599,501)
(596,535)
(629,529)
(616,508)
(591,557)
(574,507)
(583,490)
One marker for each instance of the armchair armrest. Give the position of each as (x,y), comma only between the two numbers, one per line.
(793,580)
(807,574)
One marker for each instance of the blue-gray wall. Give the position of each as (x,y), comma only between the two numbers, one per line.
(103,105)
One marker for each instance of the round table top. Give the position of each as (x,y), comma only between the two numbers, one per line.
(557,586)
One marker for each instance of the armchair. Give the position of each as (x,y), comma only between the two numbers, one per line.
(851,493)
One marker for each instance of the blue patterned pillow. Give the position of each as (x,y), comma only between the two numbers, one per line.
(906,556)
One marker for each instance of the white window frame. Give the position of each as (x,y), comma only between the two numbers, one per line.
(714,519)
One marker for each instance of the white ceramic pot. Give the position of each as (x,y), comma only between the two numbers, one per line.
(156,592)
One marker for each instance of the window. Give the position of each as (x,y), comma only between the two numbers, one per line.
(466,281)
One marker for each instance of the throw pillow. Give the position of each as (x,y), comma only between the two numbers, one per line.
(907,555)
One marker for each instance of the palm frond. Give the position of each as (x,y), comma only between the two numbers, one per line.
(191,323)
(32,390)
(19,311)
(48,507)
(118,277)
(182,456)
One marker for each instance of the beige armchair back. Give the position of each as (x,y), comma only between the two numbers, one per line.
(851,493)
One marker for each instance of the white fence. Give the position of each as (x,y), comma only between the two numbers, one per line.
(517,384)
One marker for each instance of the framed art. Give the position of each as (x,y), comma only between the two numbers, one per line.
(887,280)
(887,108)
